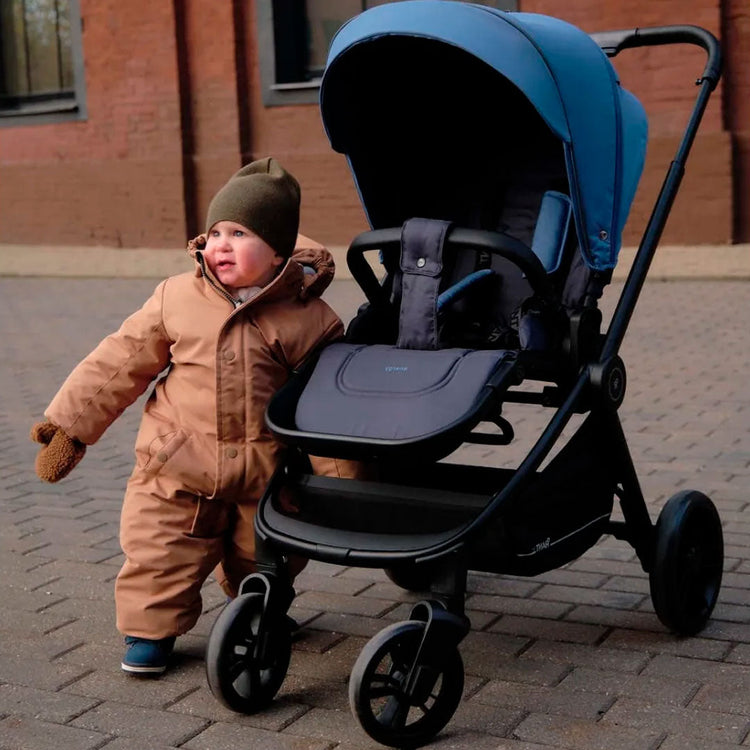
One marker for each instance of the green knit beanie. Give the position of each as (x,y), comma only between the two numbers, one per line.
(263,197)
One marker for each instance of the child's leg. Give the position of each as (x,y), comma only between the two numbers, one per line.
(238,559)
(239,553)
(171,545)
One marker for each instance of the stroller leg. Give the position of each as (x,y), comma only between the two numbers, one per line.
(637,529)
(448,584)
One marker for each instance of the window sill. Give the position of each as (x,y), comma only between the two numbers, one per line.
(41,113)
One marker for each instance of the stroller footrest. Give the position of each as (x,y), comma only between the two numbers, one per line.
(352,521)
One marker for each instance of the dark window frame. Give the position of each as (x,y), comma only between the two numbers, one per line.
(296,92)
(62,106)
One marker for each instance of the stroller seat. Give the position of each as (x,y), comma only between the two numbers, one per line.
(418,397)
(399,397)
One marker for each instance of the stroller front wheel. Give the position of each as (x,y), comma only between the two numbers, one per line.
(688,560)
(399,699)
(246,660)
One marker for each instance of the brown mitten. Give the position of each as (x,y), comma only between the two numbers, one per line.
(59,454)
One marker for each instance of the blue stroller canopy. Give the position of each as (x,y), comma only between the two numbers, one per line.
(558,68)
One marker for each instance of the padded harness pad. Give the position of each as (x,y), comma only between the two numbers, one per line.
(383,392)
(422,242)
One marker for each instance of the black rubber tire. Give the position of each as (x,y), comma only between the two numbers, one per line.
(411,577)
(376,687)
(235,676)
(685,577)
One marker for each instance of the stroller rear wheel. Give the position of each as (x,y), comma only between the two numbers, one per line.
(246,664)
(688,559)
(398,700)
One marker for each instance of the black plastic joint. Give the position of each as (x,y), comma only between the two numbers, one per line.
(608,381)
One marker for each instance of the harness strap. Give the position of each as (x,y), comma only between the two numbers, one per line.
(422,242)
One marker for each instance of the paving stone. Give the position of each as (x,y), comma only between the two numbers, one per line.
(666,643)
(28,601)
(126,743)
(330,725)
(455,739)
(722,698)
(341,622)
(328,602)
(316,641)
(577,734)
(616,618)
(701,670)
(26,733)
(35,673)
(675,692)
(122,688)
(57,708)
(23,623)
(486,654)
(222,736)
(586,629)
(600,658)
(334,665)
(501,586)
(578,595)
(739,653)
(142,724)
(309,691)
(201,702)
(700,724)
(54,645)
(515,606)
(681,741)
(559,700)
(309,581)
(553,630)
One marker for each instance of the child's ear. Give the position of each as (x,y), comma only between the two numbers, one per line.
(278,260)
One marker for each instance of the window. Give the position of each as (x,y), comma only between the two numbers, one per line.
(294,37)
(41,65)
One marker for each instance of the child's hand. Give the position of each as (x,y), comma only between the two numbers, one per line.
(59,454)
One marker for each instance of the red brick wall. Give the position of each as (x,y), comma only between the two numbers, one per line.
(115,179)
(663,80)
(165,129)
(331,211)
(736,36)
(212,137)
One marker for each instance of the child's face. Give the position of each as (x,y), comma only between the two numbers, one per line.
(238,257)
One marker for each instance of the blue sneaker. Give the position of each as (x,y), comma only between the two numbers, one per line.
(146,657)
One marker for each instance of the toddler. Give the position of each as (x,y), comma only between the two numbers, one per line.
(221,340)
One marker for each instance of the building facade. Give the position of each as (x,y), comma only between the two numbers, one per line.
(119,120)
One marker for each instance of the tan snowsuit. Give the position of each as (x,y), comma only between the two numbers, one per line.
(203,452)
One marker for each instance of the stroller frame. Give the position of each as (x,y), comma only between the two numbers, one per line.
(682,552)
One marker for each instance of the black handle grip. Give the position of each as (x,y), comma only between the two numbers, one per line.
(497,243)
(613,42)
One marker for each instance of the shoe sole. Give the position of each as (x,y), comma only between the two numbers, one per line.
(132,669)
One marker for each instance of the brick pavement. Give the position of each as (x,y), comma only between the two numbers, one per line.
(573,659)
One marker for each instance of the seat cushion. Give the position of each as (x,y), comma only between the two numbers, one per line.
(385,393)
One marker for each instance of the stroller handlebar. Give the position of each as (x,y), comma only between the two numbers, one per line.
(613,42)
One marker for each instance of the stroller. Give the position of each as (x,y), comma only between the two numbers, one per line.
(496,156)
